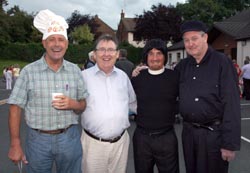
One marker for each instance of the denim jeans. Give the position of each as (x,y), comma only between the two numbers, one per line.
(65,150)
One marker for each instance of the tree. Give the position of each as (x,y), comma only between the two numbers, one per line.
(4,28)
(2,4)
(235,5)
(82,35)
(161,22)
(210,11)
(76,19)
(20,23)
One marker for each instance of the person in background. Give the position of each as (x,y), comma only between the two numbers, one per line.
(53,135)
(124,64)
(237,67)
(16,72)
(209,103)
(245,74)
(238,71)
(90,61)
(246,61)
(156,88)
(105,140)
(8,78)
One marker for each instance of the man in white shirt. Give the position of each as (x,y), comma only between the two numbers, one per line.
(105,140)
(246,80)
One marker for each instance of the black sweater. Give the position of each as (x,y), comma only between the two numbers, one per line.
(156,99)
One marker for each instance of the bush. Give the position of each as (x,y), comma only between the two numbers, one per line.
(78,54)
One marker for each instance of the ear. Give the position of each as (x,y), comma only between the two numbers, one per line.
(117,54)
(44,43)
(205,37)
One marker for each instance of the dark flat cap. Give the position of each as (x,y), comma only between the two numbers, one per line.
(193,26)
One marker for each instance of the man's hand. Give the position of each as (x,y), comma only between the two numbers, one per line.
(137,70)
(227,155)
(16,154)
(61,102)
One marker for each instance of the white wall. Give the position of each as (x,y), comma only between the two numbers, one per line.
(131,41)
(243,50)
(174,55)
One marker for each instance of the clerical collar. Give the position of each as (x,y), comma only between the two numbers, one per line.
(156,72)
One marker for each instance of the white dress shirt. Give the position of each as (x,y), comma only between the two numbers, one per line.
(246,71)
(109,101)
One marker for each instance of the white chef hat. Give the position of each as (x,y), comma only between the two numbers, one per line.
(49,23)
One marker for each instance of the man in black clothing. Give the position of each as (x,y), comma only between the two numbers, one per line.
(156,89)
(209,103)
(124,64)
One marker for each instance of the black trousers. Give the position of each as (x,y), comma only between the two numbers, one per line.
(160,150)
(201,148)
(246,88)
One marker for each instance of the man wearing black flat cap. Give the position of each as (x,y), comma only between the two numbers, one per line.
(209,103)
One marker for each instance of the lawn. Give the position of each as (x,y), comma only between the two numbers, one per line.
(6,63)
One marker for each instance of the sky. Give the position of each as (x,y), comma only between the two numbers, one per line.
(107,10)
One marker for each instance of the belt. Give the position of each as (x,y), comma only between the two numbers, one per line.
(104,140)
(154,133)
(53,132)
(206,125)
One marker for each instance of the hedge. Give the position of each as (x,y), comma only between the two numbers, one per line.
(30,52)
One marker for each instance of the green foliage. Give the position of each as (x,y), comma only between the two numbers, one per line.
(161,22)
(82,35)
(20,25)
(2,4)
(29,52)
(78,53)
(210,11)
(134,54)
(21,51)
(76,19)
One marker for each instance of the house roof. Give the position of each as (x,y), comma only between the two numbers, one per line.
(177,46)
(102,24)
(237,26)
(129,24)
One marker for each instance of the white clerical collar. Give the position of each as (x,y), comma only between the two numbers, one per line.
(156,72)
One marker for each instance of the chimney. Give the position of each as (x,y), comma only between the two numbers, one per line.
(122,15)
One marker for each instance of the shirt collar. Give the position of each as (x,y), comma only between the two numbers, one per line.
(98,70)
(156,72)
(45,66)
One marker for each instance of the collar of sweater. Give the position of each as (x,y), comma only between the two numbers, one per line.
(156,72)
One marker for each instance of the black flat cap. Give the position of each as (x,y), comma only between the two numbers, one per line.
(193,26)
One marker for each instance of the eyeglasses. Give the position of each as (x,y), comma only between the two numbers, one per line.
(102,50)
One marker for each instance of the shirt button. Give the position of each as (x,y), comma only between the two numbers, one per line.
(197,65)
(194,77)
(196,99)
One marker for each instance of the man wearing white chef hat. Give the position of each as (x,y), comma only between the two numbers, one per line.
(52,123)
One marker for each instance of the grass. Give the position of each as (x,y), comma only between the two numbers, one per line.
(7,62)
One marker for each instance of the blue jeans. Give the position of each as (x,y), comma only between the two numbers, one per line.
(42,150)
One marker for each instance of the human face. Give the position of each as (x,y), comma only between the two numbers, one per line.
(106,55)
(56,46)
(155,59)
(195,43)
